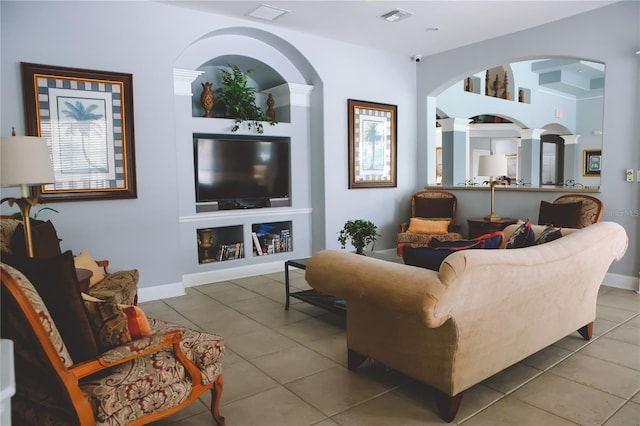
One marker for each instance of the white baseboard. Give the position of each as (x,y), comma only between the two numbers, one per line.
(164,291)
(207,277)
(622,281)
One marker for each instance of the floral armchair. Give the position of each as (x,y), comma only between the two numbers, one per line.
(432,215)
(136,382)
(118,287)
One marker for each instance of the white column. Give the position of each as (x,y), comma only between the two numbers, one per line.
(529,155)
(454,150)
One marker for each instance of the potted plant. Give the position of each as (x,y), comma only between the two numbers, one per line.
(237,100)
(360,234)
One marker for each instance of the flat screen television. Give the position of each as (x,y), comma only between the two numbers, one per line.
(241,171)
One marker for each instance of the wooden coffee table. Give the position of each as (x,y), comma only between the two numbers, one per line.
(319,299)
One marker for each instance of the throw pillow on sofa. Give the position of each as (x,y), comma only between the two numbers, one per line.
(432,257)
(523,236)
(426,226)
(549,233)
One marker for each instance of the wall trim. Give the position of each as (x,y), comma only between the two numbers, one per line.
(208,277)
(622,281)
(164,291)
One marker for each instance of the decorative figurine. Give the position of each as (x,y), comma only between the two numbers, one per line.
(271,113)
(207,99)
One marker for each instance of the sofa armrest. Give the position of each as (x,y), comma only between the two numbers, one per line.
(395,287)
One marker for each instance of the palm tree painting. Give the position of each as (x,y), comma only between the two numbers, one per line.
(85,150)
(374,151)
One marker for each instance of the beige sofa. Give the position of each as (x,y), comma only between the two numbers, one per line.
(484,311)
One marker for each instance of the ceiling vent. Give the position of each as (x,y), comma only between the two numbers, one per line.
(396,15)
(268,13)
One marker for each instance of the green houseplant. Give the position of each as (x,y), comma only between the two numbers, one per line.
(237,100)
(360,234)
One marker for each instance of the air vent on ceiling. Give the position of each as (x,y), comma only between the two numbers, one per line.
(396,15)
(268,13)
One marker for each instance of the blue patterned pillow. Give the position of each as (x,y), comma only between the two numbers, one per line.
(486,241)
(523,236)
(549,233)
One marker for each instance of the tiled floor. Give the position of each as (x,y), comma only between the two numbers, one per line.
(288,368)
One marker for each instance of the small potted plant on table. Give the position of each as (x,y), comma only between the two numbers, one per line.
(360,234)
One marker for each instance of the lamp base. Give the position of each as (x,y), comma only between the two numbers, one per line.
(493,218)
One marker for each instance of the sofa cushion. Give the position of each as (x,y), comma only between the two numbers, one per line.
(85,261)
(56,281)
(523,236)
(433,207)
(549,233)
(566,215)
(115,324)
(426,226)
(46,243)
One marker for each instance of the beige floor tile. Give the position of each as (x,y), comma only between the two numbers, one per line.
(635,322)
(511,411)
(306,308)
(336,389)
(182,416)
(571,343)
(252,345)
(226,322)
(626,333)
(628,415)
(278,316)
(227,292)
(275,407)
(603,326)
(254,304)
(193,299)
(293,363)
(568,399)
(621,299)
(309,330)
(546,357)
(615,351)
(613,313)
(596,373)
(388,409)
(242,379)
(326,422)
(511,378)
(636,398)
(252,282)
(333,347)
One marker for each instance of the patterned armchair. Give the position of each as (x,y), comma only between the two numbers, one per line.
(117,287)
(435,205)
(137,382)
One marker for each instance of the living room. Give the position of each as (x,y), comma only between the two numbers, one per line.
(145,233)
(156,232)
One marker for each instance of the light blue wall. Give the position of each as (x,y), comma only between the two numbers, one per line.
(610,35)
(146,39)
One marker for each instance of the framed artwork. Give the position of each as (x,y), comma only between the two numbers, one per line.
(372,144)
(87,118)
(592,162)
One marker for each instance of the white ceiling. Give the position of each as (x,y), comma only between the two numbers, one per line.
(358,21)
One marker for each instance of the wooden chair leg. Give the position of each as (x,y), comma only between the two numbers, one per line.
(587,331)
(216,394)
(354,359)
(448,405)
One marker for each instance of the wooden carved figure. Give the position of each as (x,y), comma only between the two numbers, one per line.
(207,99)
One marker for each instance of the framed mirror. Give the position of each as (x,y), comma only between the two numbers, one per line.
(543,114)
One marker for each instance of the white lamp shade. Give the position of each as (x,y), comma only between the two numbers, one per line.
(25,160)
(492,165)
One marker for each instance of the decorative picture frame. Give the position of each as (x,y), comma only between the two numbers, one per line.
(372,144)
(87,118)
(591,162)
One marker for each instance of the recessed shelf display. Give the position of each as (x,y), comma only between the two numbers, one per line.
(220,244)
(271,238)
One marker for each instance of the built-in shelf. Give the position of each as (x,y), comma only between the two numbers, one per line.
(271,238)
(220,244)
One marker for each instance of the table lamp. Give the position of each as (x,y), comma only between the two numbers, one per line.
(25,161)
(492,166)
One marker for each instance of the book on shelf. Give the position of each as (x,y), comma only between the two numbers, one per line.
(256,243)
(230,251)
